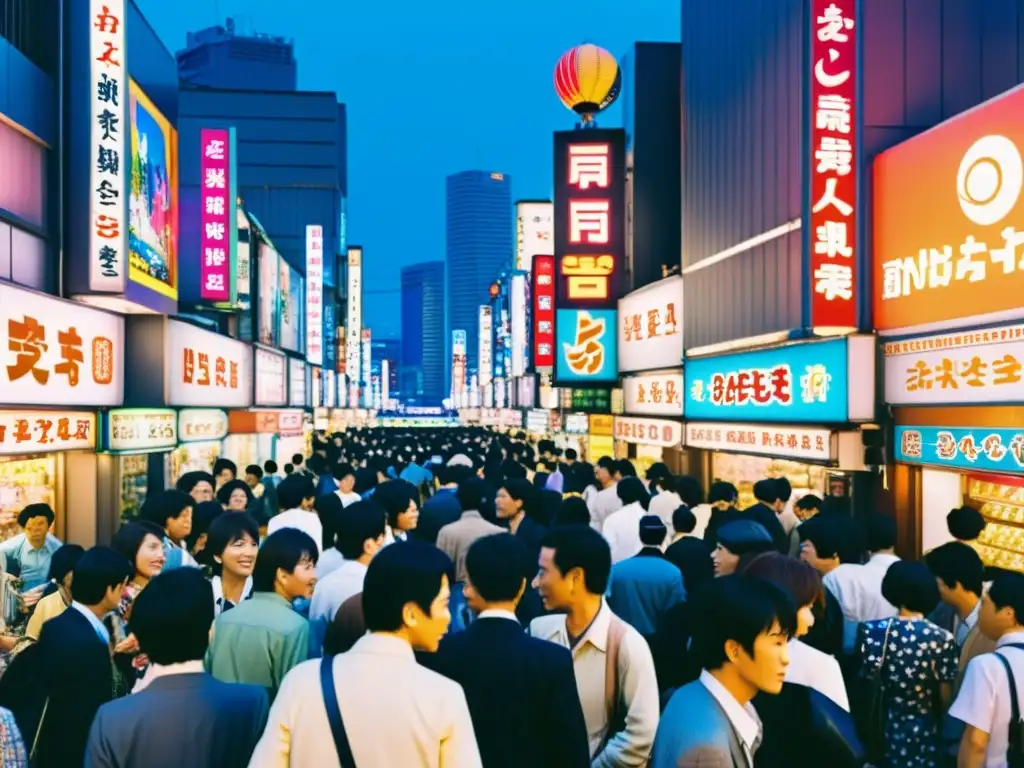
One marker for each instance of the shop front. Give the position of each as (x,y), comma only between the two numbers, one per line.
(140,440)
(538,422)
(244,444)
(257,435)
(201,433)
(791,411)
(658,394)
(647,441)
(57,354)
(297,388)
(600,437)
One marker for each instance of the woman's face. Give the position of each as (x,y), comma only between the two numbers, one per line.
(150,559)
(300,582)
(238,501)
(725,562)
(202,491)
(505,505)
(410,518)
(239,557)
(804,619)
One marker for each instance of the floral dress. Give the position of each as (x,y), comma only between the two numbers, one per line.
(13,751)
(917,658)
(128,667)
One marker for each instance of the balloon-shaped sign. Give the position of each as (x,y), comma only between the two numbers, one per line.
(587,80)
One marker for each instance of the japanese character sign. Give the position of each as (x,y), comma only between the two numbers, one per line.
(651,327)
(654,394)
(107,147)
(586,345)
(45,431)
(799,443)
(314,294)
(833,164)
(543,297)
(987,449)
(205,368)
(217,238)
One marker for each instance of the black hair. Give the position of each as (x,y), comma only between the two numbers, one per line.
(1007,591)
(471,493)
(288,469)
(297,459)
(225,491)
(255,470)
(171,617)
(608,463)
(270,466)
(745,537)
(316,464)
(498,566)
(683,520)
(394,497)
(366,479)
(580,546)
(625,468)
(784,489)
(284,549)
(63,561)
(227,529)
(766,491)
(688,490)
(190,480)
(203,515)
(630,490)
(341,470)
(808,502)
(221,464)
(881,533)
(358,522)
(799,579)
(837,505)
(405,572)
(570,454)
(738,608)
(39,509)
(573,511)
(295,489)
(99,569)
(160,507)
(965,524)
(328,508)
(722,491)
(957,563)
(833,536)
(129,537)
(910,585)
(652,531)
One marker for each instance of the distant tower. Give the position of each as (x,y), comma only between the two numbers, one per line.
(217,57)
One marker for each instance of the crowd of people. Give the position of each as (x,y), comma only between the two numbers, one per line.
(460,598)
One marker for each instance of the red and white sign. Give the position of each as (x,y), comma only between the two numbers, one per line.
(651,327)
(833,164)
(205,368)
(788,442)
(543,277)
(216,215)
(667,434)
(202,424)
(24,432)
(654,394)
(314,294)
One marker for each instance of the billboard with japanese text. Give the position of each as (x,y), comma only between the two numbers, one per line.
(585,347)
(218,231)
(543,298)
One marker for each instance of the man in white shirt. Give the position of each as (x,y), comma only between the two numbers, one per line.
(622,527)
(858,588)
(983,703)
(296,494)
(575,563)
(346,477)
(711,721)
(393,711)
(607,499)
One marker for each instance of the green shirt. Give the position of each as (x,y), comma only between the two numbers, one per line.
(258,642)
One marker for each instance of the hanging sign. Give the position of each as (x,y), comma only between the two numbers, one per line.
(784,442)
(987,449)
(28,432)
(139,430)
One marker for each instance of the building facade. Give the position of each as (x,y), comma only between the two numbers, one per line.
(478,246)
(422,372)
(222,57)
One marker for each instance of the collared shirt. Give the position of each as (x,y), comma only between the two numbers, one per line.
(221,603)
(984,698)
(301,519)
(638,686)
(742,716)
(177,556)
(497,613)
(337,587)
(329,561)
(381,691)
(348,498)
(34,563)
(622,530)
(603,504)
(101,630)
(961,629)
(154,671)
(663,505)
(858,588)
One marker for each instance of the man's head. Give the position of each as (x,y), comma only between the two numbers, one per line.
(35,520)
(253,475)
(360,531)
(170,510)
(286,564)
(744,631)
(807,506)
(345,475)
(100,577)
(965,523)
(1002,607)
(881,533)
(827,541)
(406,593)
(471,494)
(722,495)
(270,467)
(688,489)
(570,455)
(172,616)
(574,564)
(683,520)
(736,540)
(198,485)
(297,459)
(497,566)
(605,471)
(652,531)
(224,471)
(233,543)
(624,468)
(767,492)
(296,492)
(958,572)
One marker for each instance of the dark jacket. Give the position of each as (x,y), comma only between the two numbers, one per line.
(178,720)
(438,511)
(719,517)
(79,679)
(802,726)
(521,693)
(765,515)
(692,556)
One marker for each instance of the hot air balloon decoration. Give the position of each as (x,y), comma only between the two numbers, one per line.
(587,80)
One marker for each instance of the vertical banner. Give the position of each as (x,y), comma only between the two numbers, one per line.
(534,230)
(342,343)
(485,363)
(385,383)
(519,340)
(833,164)
(355,316)
(314,294)
(367,351)
(543,294)
(110,160)
(458,365)
(218,230)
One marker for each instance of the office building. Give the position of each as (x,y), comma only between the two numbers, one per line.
(391,351)
(423,371)
(222,57)
(479,245)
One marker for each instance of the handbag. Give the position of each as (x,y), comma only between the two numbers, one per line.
(875,729)
(341,744)
(1015,737)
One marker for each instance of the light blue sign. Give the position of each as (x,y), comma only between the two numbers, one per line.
(988,449)
(806,383)
(585,346)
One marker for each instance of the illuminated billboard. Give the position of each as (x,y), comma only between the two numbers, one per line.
(218,225)
(355,313)
(519,349)
(534,231)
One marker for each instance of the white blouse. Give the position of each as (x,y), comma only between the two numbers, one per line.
(218,594)
(810,667)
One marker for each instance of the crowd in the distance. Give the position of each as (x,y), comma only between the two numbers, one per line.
(458,598)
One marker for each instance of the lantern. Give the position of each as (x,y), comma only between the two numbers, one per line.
(587,80)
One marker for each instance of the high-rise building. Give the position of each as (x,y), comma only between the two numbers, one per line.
(389,350)
(423,371)
(221,57)
(479,245)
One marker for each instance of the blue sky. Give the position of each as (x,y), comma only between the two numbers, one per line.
(474,79)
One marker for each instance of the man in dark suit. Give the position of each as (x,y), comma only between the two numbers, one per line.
(183,716)
(75,650)
(521,690)
(766,512)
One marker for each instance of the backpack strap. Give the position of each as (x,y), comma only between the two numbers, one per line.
(612,694)
(341,744)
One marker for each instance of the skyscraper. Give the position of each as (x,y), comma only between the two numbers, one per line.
(423,371)
(219,57)
(479,246)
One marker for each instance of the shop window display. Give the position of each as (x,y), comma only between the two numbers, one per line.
(134,485)
(192,457)
(1001,544)
(24,482)
(744,471)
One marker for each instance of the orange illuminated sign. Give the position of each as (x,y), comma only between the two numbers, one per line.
(947,205)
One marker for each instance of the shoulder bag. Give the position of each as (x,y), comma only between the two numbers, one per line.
(612,690)
(334,713)
(875,736)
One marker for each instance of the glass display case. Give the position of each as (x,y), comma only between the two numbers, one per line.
(744,471)
(134,484)
(191,457)
(24,482)
(1001,544)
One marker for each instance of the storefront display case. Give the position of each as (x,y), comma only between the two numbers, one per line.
(1001,501)
(743,471)
(25,481)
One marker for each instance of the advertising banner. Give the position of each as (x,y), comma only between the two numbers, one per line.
(205,368)
(543,296)
(355,315)
(784,442)
(654,394)
(314,294)
(26,432)
(534,231)
(519,319)
(983,449)
(197,425)
(651,327)
(139,430)
(667,434)
(585,343)
(485,364)
(296,383)
(218,237)
(271,378)
(268,303)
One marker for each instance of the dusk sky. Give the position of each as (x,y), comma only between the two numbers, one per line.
(431,89)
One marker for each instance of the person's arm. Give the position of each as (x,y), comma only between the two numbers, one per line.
(458,746)
(975,706)
(639,690)
(294,650)
(973,746)
(566,730)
